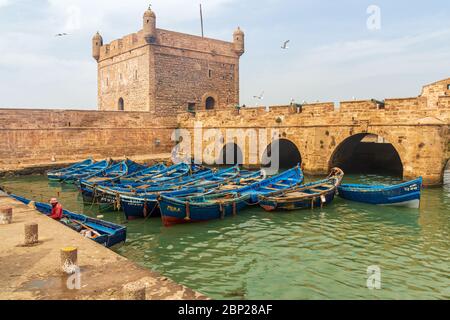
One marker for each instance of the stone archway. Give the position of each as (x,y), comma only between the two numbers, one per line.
(367,153)
(284,151)
(230,155)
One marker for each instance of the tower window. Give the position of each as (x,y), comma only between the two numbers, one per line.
(210,73)
(121,105)
(135,75)
(210,103)
(191,107)
(448,87)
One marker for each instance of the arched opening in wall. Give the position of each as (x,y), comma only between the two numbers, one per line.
(283,151)
(121,105)
(210,103)
(230,155)
(447,175)
(367,154)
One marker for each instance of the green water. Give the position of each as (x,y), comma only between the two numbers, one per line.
(320,254)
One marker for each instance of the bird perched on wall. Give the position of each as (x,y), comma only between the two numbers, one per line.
(285,45)
(61,34)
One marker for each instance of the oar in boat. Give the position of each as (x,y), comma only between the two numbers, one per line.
(97,234)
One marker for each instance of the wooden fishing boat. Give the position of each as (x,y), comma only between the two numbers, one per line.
(405,194)
(138,205)
(85,172)
(55,175)
(224,203)
(162,180)
(103,232)
(88,184)
(145,173)
(312,195)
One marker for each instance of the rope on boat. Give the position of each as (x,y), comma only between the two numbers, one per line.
(117,202)
(188,212)
(153,210)
(222,211)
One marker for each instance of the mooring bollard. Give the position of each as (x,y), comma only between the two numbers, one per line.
(31,234)
(6,215)
(69,259)
(134,291)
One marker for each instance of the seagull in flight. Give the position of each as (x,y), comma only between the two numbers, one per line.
(285,45)
(260,97)
(61,34)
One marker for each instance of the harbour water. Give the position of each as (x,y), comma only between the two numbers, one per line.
(320,254)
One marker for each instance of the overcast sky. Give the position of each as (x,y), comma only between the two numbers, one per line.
(333,55)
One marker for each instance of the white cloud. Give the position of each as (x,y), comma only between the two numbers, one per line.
(366,68)
(104,14)
(4,3)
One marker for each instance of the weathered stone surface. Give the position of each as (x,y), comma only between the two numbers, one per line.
(134,291)
(164,72)
(6,215)
(31,233)
(419,132)
(34,272)
(31,137)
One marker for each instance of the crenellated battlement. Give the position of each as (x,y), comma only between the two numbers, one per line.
(166,72)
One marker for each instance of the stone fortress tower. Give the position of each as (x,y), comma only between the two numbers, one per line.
(166,72)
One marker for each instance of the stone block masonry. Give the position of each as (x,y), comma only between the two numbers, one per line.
(417,128)
(29,137)
(166,72)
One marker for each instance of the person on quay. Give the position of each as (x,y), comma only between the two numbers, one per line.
(57,209)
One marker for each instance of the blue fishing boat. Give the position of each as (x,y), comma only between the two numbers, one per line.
(312,195)
(85,172)
(145,173)
(55,175)
(102,232)
(88,184)
(224,202)
(136,207)
(405,194)
(162,180)
(139,205)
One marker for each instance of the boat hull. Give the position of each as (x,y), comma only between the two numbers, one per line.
(173,212)
(406,194)
(138,209)
(317,202)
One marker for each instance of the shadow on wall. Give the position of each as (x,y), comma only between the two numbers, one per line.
(367,154)
(289,155)
(447,174)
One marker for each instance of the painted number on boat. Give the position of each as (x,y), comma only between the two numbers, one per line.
(413,187)
(173,209)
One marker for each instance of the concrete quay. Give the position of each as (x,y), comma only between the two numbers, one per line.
(34,272)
